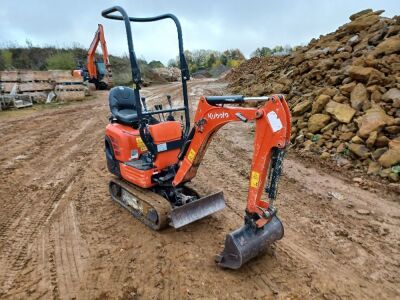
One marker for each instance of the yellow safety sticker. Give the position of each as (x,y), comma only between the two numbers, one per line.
(191,155)
(141,144)
(255,179)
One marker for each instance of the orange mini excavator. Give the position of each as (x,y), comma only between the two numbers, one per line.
(152,158)
(96,71)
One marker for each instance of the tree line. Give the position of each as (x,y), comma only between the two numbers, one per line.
(47,58)
(207,59)
(275,51)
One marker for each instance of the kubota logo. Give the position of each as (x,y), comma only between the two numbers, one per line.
(222,115)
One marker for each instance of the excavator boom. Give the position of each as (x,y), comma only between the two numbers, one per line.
(98,38)
(272,132)
(272,135)
(97,73)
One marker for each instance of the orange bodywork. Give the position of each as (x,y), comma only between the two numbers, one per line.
(166,131)
(128,145)
(162,133)
(124,140)
(77,73)
(140,178)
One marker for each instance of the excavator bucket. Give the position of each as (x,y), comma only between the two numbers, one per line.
(197,210)
(246,242)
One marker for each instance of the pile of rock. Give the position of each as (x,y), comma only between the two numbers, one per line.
(344,92)
(170,74)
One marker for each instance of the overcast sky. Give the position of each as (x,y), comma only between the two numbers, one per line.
(206,24)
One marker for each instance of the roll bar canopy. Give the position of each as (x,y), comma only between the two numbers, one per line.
(136,76)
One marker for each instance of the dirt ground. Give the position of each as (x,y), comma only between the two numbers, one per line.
(62,237)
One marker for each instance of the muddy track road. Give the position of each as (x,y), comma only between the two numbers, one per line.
(61,237)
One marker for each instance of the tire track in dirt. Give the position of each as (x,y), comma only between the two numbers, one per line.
(15,202)
(39,156)
(15,251)
(12,207)
(53,267)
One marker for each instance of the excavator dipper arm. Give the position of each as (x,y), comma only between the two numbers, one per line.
(272,135)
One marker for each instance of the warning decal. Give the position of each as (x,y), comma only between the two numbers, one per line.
(191,155)
(274,121)
(140,144)
(255,179)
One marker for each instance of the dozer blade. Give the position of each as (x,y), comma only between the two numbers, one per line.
(245,243)
(197,210)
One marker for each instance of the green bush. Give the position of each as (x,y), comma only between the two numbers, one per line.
(277,50)
(263,51)
(61,61)
(122,78)
(156,64)
(200,60)
(234,63)
(5,59)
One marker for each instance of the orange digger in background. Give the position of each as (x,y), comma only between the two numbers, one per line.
(97,72)
(153,158)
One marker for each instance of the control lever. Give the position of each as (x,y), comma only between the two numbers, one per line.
(160,107)
(156,108)
(169,101)
(144,103)
(170,116)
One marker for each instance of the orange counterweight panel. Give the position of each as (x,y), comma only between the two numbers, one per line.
(124,139)
(163,133)
(166,132)
(166,159)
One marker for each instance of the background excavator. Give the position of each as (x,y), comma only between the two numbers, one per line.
(152,158)
(97,71)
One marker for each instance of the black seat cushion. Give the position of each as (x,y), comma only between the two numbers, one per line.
(122,103)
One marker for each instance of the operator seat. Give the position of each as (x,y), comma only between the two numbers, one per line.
(122,103)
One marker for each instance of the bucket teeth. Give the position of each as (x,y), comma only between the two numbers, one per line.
(197,210)
(246,242)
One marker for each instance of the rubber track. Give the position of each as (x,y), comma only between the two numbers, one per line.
(159,203)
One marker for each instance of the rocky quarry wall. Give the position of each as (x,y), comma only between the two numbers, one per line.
(344,92)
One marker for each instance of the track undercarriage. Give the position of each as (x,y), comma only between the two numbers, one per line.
(156,209)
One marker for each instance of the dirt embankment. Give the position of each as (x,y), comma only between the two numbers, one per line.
(344,91)
(62,237)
